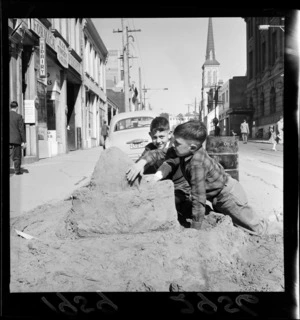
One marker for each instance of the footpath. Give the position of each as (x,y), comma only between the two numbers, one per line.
(51,179)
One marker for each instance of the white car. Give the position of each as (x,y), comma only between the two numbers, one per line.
(129,131)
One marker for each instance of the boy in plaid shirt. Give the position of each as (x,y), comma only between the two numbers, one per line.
(151,159)
(208,180)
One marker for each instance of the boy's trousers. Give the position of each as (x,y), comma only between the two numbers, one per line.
(232,201)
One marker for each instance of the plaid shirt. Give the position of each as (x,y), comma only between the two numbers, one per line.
(204,174)
(155,158)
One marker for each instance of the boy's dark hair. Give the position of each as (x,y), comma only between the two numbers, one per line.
(191,130)
(159,124)
(14,104)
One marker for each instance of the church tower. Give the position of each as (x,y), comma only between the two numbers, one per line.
(210,71)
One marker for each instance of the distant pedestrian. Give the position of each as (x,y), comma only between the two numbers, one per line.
(217,131)
(273,138)
(279,129)
(104,133)
(244,131)
(17,139)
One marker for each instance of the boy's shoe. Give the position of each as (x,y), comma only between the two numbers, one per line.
(263,230)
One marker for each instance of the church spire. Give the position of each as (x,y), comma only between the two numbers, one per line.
(210,57)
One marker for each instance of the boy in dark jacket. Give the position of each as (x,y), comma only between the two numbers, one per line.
(151,159)
(208,180)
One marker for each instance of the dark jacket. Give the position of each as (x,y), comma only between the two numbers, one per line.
(16,128)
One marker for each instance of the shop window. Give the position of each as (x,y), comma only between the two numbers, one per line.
(42,111)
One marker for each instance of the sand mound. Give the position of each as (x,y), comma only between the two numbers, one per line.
(110,205)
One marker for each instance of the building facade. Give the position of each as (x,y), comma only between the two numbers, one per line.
(115,83)
(265,72)
(233,107)
(47,78)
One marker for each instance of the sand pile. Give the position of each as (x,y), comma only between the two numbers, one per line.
(110,205)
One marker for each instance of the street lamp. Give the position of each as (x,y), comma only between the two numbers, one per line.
(268,26)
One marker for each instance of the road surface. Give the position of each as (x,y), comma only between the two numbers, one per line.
(261,175)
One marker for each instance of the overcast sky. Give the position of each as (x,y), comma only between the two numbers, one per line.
(171,52)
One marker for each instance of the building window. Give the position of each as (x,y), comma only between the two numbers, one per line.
(64,28)
(272,100)
(274,52)
(215,76)
(251,103)
(72,33)
(262,104)
(250,28)
(263,56)
(209,77)
(227,95)
(250,72)
(86,55)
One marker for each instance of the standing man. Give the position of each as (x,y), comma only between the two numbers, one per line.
(17,139)
(244,130)
(104,132)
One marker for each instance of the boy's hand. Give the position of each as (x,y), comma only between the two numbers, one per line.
(157,176)
(135,170)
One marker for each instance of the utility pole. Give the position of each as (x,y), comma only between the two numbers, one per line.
(126,63)
(188,104)
(146,89)
(140,89)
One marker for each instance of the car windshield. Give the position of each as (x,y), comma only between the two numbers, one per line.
(131,123)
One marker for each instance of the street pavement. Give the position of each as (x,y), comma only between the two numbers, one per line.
(54,179)
(51,179)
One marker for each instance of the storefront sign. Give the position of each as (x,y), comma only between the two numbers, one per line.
(74,63)
(43,61)
(42,32)
(29,111)
(62,53)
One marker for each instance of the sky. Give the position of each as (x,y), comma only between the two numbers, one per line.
(170,53)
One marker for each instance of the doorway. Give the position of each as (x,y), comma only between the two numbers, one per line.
(72,93)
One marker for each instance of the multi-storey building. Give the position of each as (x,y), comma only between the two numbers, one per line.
(115,83)
(232,106)
(50,80)
(265,72)
(94,99)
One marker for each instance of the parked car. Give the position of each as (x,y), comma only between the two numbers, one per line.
(129,131)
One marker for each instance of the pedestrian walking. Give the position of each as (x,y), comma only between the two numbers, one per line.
(273,138)
(244,131)
(217,131)
(17,139)
(279,129)
(104,133)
